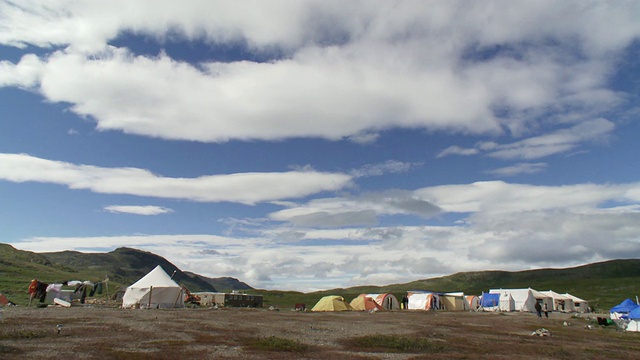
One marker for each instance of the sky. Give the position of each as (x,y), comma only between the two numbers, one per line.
(306,145)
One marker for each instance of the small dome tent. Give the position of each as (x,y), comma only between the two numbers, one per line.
(386,301)
(364,303)
(332,303)
(154,290)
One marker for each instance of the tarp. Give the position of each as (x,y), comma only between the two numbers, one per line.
(634,314)
(364,303)
(622,309)
(154,290)
(332,303)
(490,301)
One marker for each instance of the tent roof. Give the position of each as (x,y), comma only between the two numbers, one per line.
(555,295)
(625,306)
(156,278)
(574,298)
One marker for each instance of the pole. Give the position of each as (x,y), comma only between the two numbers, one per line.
(150,293)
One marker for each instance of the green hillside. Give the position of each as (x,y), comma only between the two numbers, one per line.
(603,284)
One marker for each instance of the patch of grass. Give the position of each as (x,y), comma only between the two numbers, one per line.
(275,343)
(22,334)
(395,343)
(9,350)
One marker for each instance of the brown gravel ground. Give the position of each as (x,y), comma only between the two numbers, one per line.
(90,332)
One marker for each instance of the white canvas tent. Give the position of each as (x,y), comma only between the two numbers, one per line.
(579,305)
(561,303)
(154,290)
(525,299)
(423,301)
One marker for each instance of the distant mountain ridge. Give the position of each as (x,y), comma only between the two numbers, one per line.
(123,266)
(603,284)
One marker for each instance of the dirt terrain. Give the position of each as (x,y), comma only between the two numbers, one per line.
(109,333)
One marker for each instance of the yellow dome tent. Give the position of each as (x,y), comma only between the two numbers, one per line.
(332,303)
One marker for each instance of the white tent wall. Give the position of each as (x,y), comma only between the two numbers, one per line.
(507,303)
(423,301)
(561,303)
(524,299)
(579,305)
(543,299)
(154,290)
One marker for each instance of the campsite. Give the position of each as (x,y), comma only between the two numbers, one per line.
(102,332)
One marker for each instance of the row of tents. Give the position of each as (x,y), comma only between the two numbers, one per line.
(158,290)
(495,300)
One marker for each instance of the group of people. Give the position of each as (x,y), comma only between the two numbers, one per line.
(540,309)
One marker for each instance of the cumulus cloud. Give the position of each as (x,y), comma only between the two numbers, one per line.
(358,210)
(452,66)
(542,226)
(246,188)
(138,210)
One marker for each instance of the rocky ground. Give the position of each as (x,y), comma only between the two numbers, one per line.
(109,333)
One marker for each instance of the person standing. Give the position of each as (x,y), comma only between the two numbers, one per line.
(546,311)
(539,309)
(405,302)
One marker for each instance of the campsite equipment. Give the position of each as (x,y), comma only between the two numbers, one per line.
(623,309)
(154,290)
(332,303)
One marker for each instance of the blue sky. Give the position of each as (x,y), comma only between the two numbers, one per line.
(318,144)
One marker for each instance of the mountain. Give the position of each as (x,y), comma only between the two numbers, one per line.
(223,283)
(603,284)
(122,266)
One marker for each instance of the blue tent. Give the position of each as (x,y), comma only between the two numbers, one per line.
(624,307)
(634,314)
(490,300)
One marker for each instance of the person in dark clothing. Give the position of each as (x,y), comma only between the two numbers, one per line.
(405,302)
(539,309)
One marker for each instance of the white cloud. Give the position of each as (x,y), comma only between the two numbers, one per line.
(246,188)
(340,59)
(559,141)
(457,150)
(390,166)
(138,210)
(519,168)
(509,227)
(555,142)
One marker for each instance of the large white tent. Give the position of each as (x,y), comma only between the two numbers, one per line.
(579,305)
(154,290)
(525,299)
(561,303)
